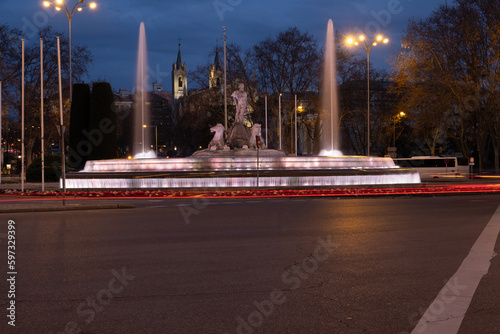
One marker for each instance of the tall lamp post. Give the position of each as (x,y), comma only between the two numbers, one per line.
(368,46)
(1,152)
(396,119)
(156,135)
(60,5)
(279,121)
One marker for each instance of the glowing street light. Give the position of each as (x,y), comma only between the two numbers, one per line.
(60,5)
(396,119)
(368,46)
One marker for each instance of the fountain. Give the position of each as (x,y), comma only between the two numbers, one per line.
(142,139)
(329,99)
(235,160)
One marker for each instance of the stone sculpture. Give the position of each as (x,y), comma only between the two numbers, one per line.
(255,131)
(217,141)
(240,140)
(241,103)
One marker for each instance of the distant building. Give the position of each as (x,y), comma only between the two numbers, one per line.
(160,104)
(157,87)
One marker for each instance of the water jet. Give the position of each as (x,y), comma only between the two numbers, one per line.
(142,139)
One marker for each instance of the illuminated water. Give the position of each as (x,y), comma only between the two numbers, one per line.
(329,99)
(142,136)
(145,155)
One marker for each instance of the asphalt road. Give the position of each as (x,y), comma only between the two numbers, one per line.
(245,266)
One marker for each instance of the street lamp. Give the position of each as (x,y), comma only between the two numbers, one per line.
(396,120)
(368,46)
(60,5)
(156,136)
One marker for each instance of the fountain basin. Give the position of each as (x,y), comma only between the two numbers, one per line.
(240,172)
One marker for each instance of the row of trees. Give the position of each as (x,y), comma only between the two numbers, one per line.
(10,75)
(447,78)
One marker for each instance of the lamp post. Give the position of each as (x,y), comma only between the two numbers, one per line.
(22,117)
(396,120)
(296,135)
(41,115)
(225,80)
(368,46)
(1,152)
(60,5)
(156,135)
(62,146)
(279,121)
(265,109)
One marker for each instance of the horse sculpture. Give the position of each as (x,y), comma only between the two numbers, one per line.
(217,142)
(256,130)
(239,137)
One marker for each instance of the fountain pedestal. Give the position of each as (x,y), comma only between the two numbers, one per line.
(240,172)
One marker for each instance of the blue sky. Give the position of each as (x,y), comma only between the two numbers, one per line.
(111,31)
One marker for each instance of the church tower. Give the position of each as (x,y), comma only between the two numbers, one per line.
(179,78)
(216,72)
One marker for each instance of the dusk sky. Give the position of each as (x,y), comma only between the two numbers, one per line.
(111,31)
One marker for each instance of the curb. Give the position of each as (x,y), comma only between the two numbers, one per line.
(69,208)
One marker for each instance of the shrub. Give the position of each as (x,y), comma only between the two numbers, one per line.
(52,169)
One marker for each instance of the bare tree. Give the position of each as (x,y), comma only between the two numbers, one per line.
(289,63)
(10,73)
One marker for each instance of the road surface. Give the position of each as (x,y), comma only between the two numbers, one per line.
(309,265)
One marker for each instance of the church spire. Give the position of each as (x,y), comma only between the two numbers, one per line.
(215,79)
(179,78)
(217,62)
(179,58)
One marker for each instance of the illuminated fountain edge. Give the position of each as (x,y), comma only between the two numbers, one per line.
(240,172)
